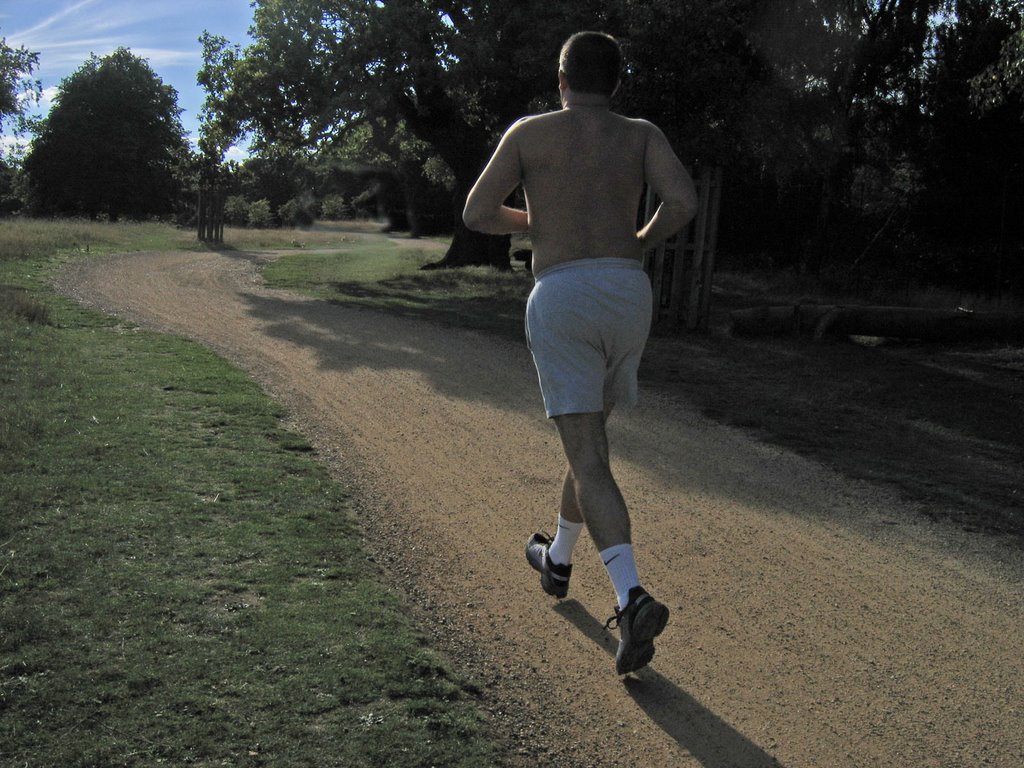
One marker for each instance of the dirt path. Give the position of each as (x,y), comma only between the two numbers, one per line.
(812,625)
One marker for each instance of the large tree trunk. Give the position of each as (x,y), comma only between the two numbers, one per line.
(471,248)
(465,148)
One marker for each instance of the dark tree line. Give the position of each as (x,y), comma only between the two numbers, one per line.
(850,130)
(865,141)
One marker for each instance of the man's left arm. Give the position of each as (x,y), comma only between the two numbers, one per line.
(485,209)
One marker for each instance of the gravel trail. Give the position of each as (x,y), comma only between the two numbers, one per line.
(813,623)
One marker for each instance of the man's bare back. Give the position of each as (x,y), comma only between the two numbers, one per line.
(583,170)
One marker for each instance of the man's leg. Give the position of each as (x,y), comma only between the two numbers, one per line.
(570,523)
(598,500)
(569,509)
(598,497)
(552,557)
(640,617)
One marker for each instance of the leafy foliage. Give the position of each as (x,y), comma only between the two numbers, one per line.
(450,75)
(1002,81)
(112,144)
(969,157)
(16,87)
(862,139)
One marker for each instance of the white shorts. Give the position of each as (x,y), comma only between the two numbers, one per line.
(587,322)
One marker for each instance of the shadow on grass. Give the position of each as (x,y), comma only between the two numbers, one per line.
(489,303)
(695,728)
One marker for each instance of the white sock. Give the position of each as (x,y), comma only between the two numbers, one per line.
(621,567)
(565,539)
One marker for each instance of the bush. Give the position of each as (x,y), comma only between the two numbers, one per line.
(335,208)
(236,211)
(259,216)
(296,213)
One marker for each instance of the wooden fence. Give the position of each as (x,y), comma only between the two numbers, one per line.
(681,269)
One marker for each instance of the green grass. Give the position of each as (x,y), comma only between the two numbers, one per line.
(180,580)
(41,238)
(320,235)
(385,276)
(355,261)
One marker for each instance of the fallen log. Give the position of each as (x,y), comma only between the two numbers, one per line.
(823,321)
(793,319)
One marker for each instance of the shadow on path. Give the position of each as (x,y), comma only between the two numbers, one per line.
(695,728)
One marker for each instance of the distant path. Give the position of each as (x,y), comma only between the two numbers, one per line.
(811,622)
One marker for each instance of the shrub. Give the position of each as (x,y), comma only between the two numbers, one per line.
(259,216)
(296,213)
(236,211)
(335,208)
(19,303)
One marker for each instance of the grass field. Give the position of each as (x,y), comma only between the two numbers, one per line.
(386,276)
(180,581)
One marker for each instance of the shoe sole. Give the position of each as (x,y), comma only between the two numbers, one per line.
(649,622)
(552,587)
(547,582)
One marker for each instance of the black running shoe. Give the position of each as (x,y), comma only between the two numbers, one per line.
(642,620)
(554,578)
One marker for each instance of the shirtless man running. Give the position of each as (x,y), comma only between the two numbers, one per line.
(583,171)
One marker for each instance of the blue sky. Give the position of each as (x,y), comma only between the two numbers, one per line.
(165,32)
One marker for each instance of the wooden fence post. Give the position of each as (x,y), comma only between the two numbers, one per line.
(210,214)
(682,267)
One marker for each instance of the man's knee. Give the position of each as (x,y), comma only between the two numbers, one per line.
(584,441)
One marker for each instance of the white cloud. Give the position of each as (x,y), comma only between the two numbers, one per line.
(49,94)
(238,154)
(67,38)
(16,145)
(25,37)
(165,57)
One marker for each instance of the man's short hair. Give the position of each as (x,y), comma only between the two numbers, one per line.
(591,62)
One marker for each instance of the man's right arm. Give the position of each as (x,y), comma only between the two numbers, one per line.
(485,209)
(670,181)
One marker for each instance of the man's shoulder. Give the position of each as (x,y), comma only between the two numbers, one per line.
(534,129)
(538,120)
(639,123)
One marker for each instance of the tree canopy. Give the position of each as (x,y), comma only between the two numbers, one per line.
(16,85)
(110,144)
(451,74)
(17,91)
(847,128)
(1002,80)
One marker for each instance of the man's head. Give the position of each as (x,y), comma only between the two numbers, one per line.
(591,62)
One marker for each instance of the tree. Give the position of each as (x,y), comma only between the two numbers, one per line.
(16,87)
(692,70)
(453,74)
(848,74)
(409,183)
(1003,79)
(973,152)
(112,143)
(17,90)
